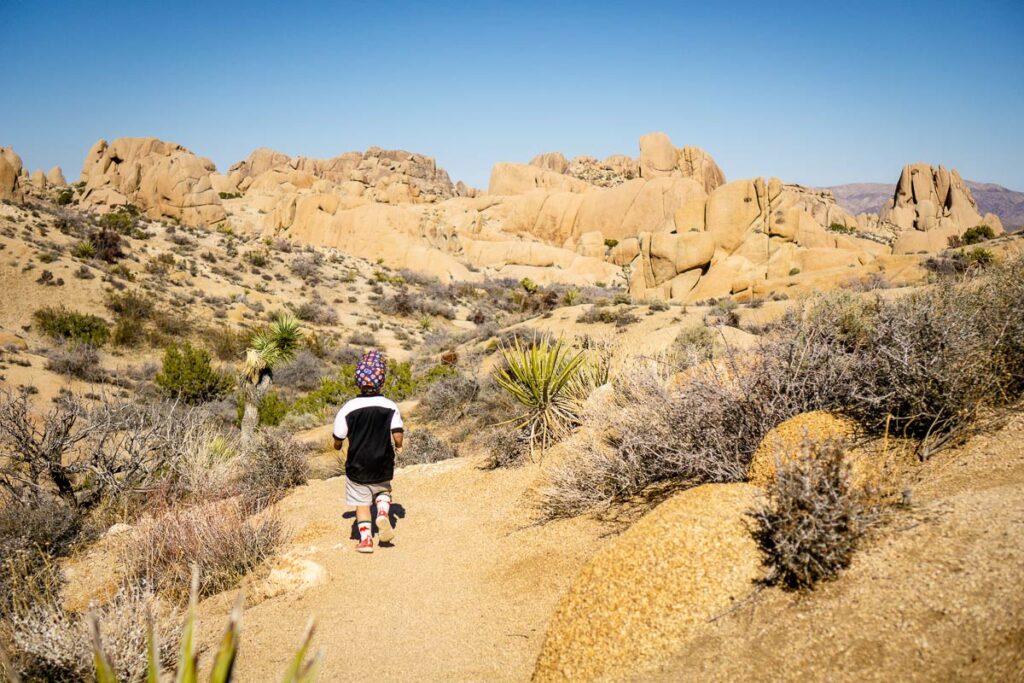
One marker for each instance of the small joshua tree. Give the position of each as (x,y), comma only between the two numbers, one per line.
(275,345)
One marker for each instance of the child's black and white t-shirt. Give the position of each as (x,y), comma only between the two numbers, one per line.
(368,422)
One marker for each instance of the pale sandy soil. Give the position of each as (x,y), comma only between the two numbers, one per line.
(463,595)
(937,596)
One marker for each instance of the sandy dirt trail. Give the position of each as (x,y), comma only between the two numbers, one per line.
(464,594)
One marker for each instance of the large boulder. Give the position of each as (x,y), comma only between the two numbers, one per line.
(163,179)
(790,440)
(659,159)
(10,176)
(509,179)
(653,588)
(55,176)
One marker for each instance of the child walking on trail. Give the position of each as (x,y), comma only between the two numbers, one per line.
(373,426)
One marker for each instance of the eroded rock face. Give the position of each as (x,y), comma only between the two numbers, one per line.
(10,176)
(929,206)
(659,159)
(55,176)
(381,175)
(163,179)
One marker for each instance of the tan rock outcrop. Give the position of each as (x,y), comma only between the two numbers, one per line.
(38,179)
(163,179)
(930,205)
(10,175)
(648,591)
(787,442)
(381,175)
(55,176)
(551,161)
(508,179)
(659,159)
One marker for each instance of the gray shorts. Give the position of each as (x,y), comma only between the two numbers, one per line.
(363,494)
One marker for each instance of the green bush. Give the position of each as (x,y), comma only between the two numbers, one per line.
(610,243)
(64,325)
(271,410)
(978,233)
(65,197)
(188,376)
(84,250)
(842,229)
(229,195)
(980,257)
(121,220)
(794,271)
(334,391)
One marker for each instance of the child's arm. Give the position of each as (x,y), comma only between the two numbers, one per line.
(340,430)
(397,429)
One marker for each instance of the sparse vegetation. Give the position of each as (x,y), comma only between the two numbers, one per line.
(812,520)
(423,446)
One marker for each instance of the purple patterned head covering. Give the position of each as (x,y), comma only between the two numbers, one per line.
(370,371)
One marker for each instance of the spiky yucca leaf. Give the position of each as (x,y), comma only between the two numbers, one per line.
(300,670)
(278,343)
(541,377)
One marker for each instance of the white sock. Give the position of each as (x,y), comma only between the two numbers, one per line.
(383,504)
(365,531)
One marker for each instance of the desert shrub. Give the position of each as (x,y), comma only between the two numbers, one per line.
(316,310)
(692,346)
(31,535)
(410,303)
(65,196)
(122,219)
(306,266)
(86,456)
(303,372)
(80,361)
(978,233)
(362,338)
(449,398)
(226,343)
(274,463)
(423,446)
(842,229)
(270,410)
(53,644)
(229,195)
(219,538)
(64,325)
(928,362)
(258,258)
(131,304)
(107,245)
(187,375)
(620,317)
(723,312)
(812,520)
(544,378)
(84,250)
(505,446)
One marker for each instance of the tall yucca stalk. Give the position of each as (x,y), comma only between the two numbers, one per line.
(299,670)
(278,343)
(544,377)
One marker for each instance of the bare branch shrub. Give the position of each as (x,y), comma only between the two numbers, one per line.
(449,399)
(506,446)
(80,361)
(53,644)
(113,450)
(220,538)
(423,446)
(812,520)
(303,372)
(272,465)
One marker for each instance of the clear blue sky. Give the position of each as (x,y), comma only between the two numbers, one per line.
(819,93)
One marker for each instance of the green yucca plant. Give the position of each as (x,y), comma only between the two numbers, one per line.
(278,343)
(546,377)
(299,671)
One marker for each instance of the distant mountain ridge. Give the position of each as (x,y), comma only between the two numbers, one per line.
(991,198)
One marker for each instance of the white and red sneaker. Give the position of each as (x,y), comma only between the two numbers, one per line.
(365,545)
(385,532)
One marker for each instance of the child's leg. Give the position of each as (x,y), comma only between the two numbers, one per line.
(384,528)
